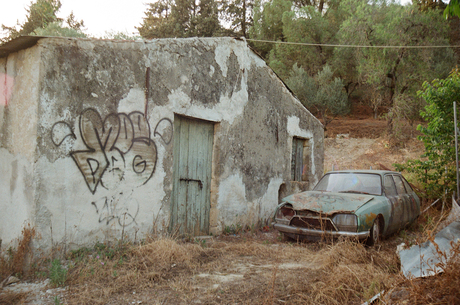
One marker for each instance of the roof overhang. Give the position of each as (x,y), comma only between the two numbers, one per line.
(17,44)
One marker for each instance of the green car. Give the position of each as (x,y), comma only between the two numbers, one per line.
(365,205)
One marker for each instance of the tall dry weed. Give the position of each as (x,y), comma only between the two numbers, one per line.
(443,287)
(233,271)
(14,261)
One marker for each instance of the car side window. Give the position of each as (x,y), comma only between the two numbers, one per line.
(389,185)
(399,185)
(407,185)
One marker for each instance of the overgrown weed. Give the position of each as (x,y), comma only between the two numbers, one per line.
(343,272)
(14,261)
(57,273)
(441,288)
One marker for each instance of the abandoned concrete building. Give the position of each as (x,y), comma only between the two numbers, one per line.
(102,140)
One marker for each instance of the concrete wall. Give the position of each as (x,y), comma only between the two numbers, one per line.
(71,97)
(19,86)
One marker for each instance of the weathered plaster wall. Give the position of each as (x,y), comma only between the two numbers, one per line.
(256,149)
(18,141)
(104,157)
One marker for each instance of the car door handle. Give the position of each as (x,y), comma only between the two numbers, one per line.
(200,183)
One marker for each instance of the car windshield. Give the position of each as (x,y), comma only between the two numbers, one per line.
(361,183)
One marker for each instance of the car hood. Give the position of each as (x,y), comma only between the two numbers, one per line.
(326,202)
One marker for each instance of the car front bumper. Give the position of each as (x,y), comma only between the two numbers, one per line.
(317,234)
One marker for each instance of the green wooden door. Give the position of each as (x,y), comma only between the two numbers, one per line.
(193,140)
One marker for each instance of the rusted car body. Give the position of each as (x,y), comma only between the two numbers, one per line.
(360,204)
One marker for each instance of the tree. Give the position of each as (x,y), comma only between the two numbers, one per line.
(305,25)
(40,14)
(394,72)
(207,19)
(323,93)
(268,24)
(43,21)
(436,169)
(321,6)
(120,36)
(180,18)
(238,13)
(58,29)
(452,9)
(157,21)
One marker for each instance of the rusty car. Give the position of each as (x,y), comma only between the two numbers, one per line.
(362,204)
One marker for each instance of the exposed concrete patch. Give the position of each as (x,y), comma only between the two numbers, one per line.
(231,201)
(134,100)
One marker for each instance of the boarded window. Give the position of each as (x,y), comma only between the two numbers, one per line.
(300,159)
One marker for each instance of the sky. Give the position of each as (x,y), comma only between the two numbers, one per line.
(99,16)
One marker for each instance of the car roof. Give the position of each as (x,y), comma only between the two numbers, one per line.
(363,171)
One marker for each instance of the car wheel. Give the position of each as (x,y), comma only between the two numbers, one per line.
(374,236)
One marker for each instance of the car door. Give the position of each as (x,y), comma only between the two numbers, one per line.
(405,201)
(414,200)
(397,212)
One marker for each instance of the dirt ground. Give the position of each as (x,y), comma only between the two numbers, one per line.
(256,267)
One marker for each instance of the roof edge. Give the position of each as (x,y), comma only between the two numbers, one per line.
(18,44)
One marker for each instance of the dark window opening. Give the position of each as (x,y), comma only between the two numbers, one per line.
(300,159)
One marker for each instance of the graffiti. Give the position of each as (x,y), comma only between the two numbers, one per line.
(118,147)
(121,209)
(164,130)
(61,131)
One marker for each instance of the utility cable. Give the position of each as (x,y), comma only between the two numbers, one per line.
(351,46)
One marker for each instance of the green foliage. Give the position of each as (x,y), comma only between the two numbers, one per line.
(57,300)
(453,9)
(180,18)
(57,273)
(268,23)
(43,21)
(120,36)
(56,29)
(238,14)
(323,93)
(233,229)
(301,25)
(394,74)
(436,170)
(40,14)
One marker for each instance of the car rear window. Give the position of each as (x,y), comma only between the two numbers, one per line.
(361,183)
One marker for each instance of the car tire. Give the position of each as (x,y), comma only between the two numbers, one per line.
(374,234)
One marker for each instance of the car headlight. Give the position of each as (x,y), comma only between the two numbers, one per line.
(284,214)
(346,222)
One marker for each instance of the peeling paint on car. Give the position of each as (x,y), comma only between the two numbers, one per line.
(327,203)
(370,219)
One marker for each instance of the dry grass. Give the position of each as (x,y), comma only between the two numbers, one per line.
(232,271)
(13,261)
(440,289)
(13,298)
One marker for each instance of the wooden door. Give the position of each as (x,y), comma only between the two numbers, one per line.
(193,141)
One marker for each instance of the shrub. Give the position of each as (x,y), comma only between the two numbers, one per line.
(435,170)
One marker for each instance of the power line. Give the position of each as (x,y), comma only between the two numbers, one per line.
(351,46)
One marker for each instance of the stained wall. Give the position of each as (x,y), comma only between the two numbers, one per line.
(86,138)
